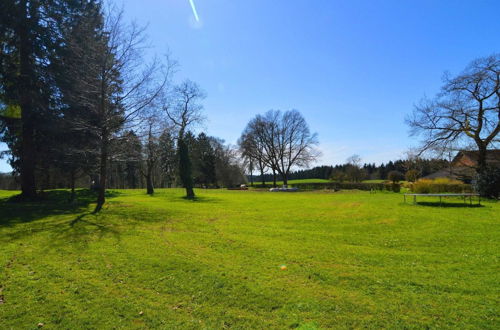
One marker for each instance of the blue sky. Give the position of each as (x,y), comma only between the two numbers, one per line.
(353,68)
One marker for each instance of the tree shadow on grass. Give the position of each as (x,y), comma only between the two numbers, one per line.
(83,229)
(202,199)
(54,202)
(63,221)
(196,199)
(450,204)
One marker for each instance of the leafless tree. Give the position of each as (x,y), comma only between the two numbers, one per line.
(116,85)
(184,111)
(354,160)
(465,114)
(353,170)
(251,148)
(151,152)
(282,140)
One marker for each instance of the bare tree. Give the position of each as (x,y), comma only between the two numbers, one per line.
(282,140)
(354,160)
(251,148)
(465,114)
(184,112)
(353,170)
(117,84)
(151,153)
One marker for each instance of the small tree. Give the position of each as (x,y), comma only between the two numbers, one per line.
(488,183)
(353,170)
(412,175)
(185,112)
(395,176)
(338,176)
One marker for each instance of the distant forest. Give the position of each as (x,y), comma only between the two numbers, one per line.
(365,172)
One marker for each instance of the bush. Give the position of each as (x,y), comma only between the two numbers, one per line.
(412,175)
(395,176)
(488,183)
(440,185)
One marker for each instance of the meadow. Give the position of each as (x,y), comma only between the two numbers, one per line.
(248,259)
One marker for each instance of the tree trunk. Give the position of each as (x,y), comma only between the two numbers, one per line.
(481,160)
(72,186)
(101,189)
(274,178)
(285,179)
(149,183)
(185,169)
(27,155)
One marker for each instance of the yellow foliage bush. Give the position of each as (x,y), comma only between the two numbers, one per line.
(439,185)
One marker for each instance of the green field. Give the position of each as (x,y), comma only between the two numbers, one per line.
(353,259)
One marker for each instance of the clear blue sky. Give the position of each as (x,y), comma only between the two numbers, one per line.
(353,68)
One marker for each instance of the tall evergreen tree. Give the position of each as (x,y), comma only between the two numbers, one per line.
(30,34)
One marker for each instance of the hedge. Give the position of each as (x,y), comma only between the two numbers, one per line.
(426,186)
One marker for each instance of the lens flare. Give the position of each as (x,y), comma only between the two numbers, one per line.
(195,13)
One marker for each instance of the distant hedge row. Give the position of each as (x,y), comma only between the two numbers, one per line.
(342,186)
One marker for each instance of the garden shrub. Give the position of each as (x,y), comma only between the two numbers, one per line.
(395,176)
(439,185)
(412,175)
(488,183)
(396,187)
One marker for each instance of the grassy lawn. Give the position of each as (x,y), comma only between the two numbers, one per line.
(353,259)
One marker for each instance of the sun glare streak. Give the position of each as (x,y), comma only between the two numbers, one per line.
(195,13)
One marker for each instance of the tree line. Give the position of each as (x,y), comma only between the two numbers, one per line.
(354,171)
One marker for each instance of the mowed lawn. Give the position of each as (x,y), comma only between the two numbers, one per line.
(353,259)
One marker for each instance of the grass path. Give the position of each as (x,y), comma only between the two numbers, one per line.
(353,259)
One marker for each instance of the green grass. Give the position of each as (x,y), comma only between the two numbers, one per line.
(374,181)
(353,260)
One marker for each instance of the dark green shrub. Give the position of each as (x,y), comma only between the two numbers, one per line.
(412,175)
(396,187)
(488,183)
(395,176)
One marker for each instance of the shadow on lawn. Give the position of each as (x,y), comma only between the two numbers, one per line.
(55,202)
(77,224)
(450,204)
(202,199)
